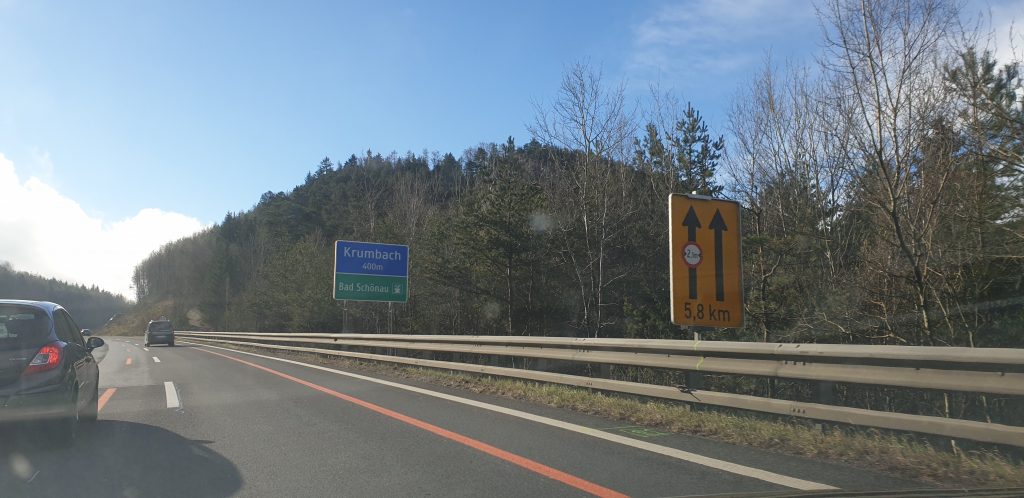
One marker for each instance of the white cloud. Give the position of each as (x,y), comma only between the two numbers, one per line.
(999,24)
(717,36)
(47,233)
(1007,35)
(43,162)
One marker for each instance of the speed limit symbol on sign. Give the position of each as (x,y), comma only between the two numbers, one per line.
(692,254)
(704,261)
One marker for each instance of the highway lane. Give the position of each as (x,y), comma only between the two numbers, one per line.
(204,421)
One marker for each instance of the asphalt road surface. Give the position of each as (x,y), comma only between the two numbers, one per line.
(200,421)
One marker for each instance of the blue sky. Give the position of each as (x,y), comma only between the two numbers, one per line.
(199,107)
(190,109)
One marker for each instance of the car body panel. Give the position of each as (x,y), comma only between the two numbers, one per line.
(13,363)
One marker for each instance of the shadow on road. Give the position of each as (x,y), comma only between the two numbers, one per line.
(114,459)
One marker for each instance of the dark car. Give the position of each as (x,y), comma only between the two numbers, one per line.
(160,332)
(47,371)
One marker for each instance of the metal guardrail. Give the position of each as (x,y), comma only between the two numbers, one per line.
(976,370)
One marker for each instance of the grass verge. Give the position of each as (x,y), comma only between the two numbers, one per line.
(900,456)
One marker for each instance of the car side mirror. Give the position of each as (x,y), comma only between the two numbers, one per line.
(86,332)
(93,343)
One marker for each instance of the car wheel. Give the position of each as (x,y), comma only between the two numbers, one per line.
(64,430)
(92,409)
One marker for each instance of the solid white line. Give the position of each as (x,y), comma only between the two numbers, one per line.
(172,395)
(156,359)
(687,456)
(147,349)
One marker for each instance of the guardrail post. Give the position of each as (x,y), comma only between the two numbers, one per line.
(825,392)
(694,380)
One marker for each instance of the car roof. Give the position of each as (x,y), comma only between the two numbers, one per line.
(44,305)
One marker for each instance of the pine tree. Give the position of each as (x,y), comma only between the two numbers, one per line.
(686,156)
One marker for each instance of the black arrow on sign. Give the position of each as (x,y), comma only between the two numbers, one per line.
(718,225)
(692,223)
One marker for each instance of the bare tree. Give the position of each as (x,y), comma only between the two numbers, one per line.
(588,117)
(886,57)
(590,129)
(789,166)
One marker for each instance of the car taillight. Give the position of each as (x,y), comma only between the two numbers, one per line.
(46,359)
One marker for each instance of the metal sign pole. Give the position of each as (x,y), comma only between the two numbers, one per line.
(390,319)
(694,379)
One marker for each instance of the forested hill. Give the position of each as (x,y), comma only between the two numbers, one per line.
(853,231)
(92,307)
(502,241)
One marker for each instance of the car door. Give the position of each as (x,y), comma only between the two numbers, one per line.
(90,369)
(81,360)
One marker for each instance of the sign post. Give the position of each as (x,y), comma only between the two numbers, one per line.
(367,271)
(704,261)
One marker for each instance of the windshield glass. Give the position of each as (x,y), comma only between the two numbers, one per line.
(22,327)
(160,327)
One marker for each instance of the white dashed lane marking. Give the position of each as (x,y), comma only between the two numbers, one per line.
(172,395)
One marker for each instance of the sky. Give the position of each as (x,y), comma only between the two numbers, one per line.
(128,124)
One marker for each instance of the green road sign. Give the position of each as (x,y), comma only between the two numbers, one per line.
(352,287)
(370,271)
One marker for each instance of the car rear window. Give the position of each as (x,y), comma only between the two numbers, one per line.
(22,327)
(160,327)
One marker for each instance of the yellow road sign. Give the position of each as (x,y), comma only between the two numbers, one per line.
(704,261)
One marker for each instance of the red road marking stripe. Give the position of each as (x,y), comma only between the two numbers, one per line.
(512,458)
(105,397)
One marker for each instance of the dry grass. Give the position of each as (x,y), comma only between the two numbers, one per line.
(904,457)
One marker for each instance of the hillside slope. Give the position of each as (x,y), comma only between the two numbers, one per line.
(133,321)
